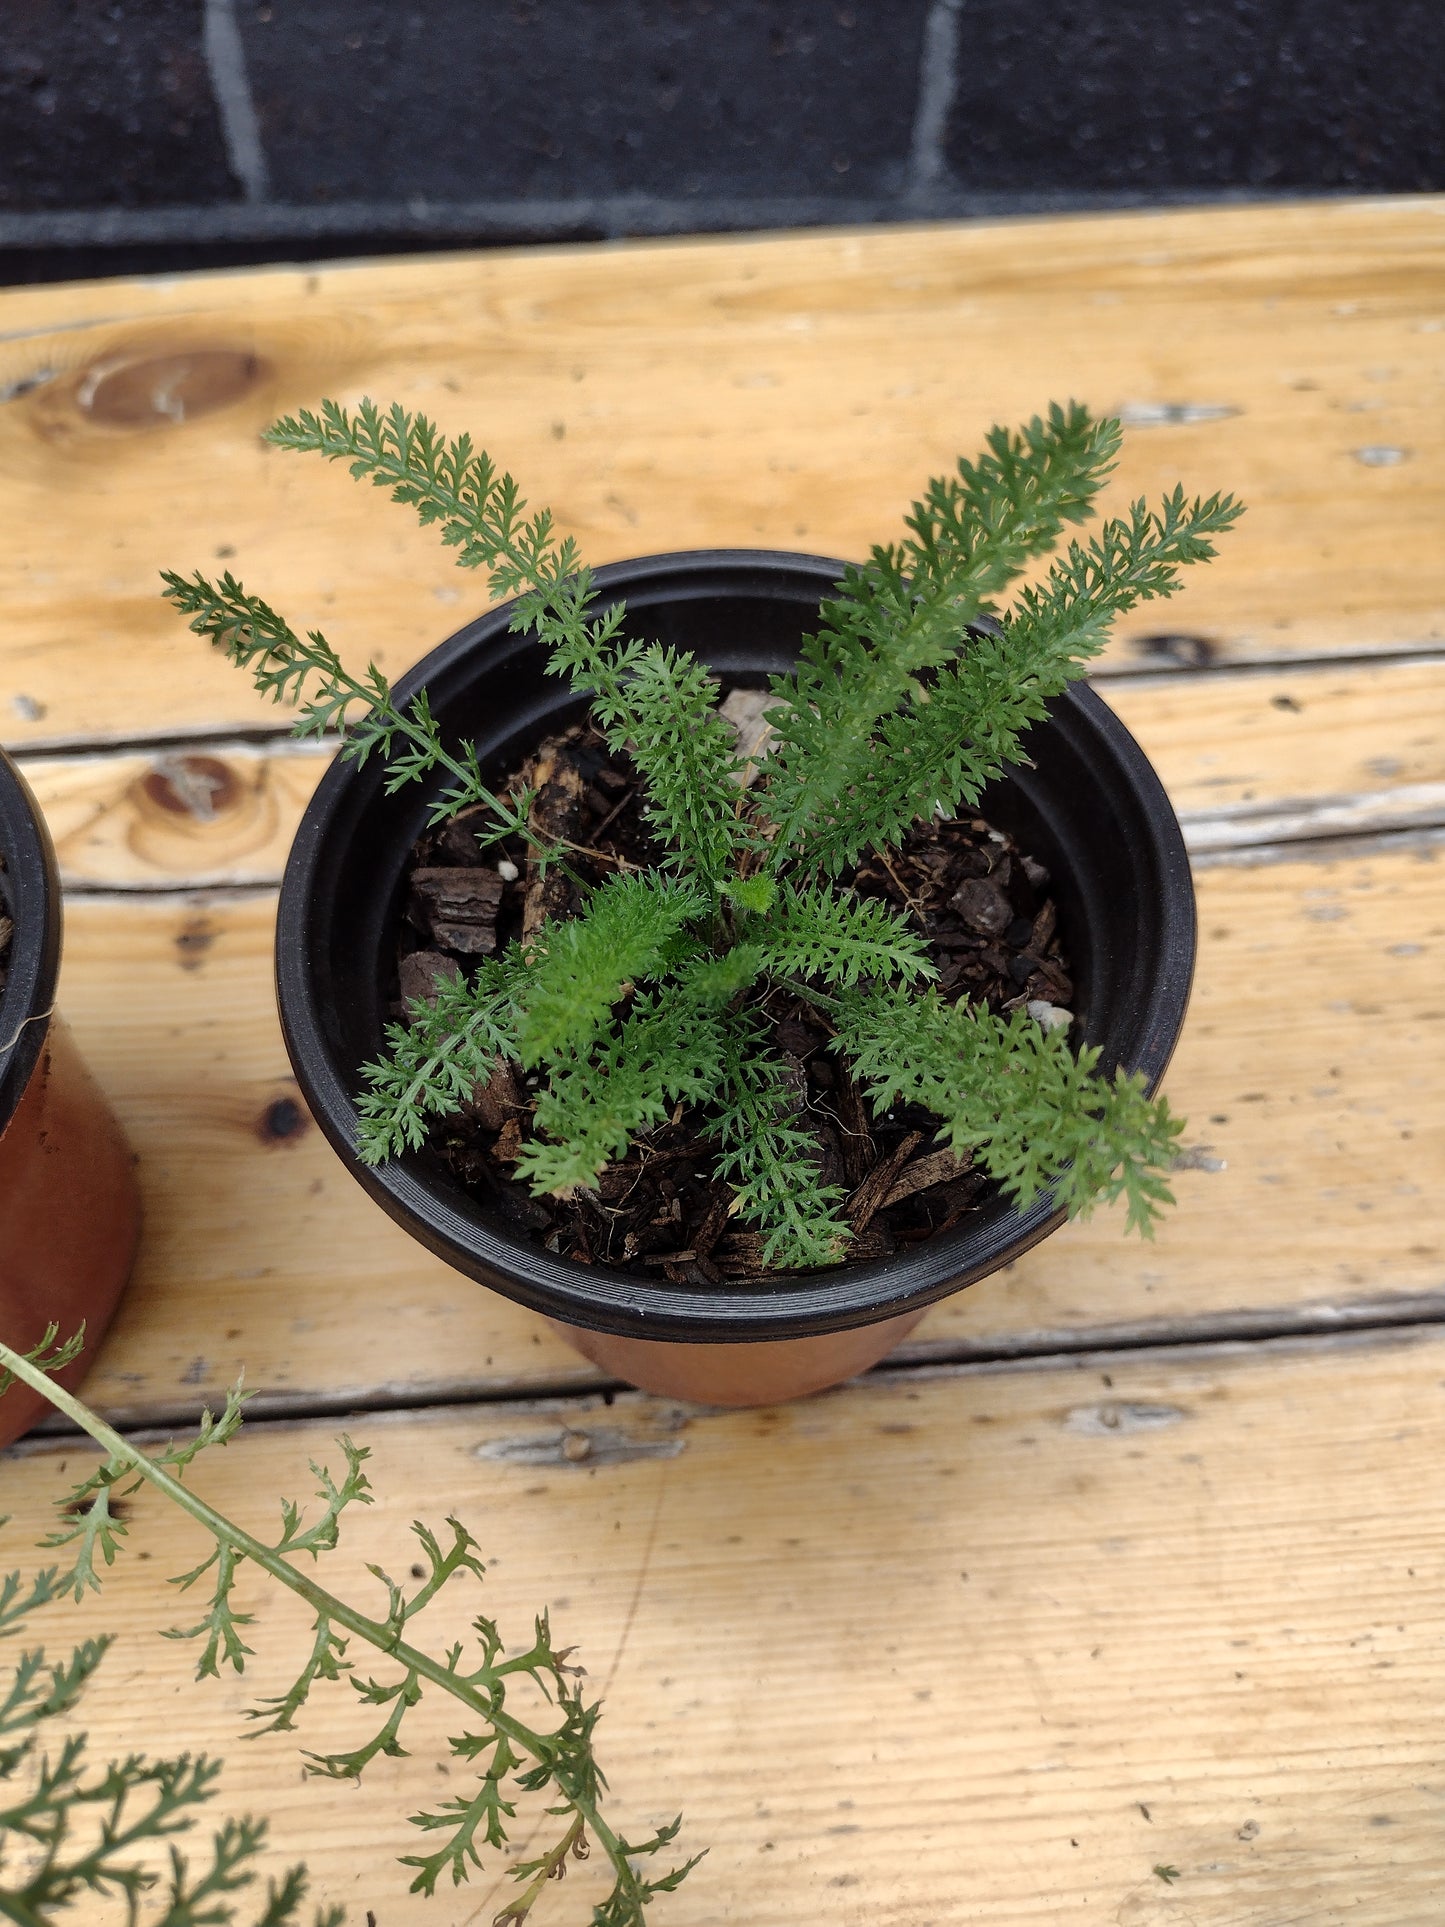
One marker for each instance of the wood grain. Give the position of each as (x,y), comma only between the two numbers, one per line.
(983,1646)
(192,816)
(1247,756)
(1309,1067)
(788,391)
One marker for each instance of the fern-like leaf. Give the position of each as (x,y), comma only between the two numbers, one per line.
(770,1160)
(939,754)
(661,706)
(584,964)
(659,702)
(437,1060)
(309,675)
(905,612)
(836,939)
(667,1049)
(1032,1112)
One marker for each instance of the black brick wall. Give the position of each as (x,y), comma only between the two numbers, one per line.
(138,133)
(107,106)
(466,101)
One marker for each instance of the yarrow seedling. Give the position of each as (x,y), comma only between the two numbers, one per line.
(77,1831)
(912,695)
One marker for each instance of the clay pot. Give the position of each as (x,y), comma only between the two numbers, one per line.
(69,1207)
(1090,807)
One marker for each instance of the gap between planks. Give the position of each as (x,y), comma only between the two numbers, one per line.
(1271,1331)
(1252,761)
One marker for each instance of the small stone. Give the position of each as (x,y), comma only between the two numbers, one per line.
(459,895)
(1037,875)
(576,1446)
(421,975)
(507,870)
(495,1102)
(982,906)
(1051,1016)
(1019,932)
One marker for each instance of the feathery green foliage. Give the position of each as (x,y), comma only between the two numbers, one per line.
(916,690)
(1029,1108)
(581,967)
(770,1160)
(666,1049)
(311,676)
(905,612)
(552,1764)
(68,1829)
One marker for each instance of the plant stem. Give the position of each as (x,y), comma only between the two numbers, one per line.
(372,1631)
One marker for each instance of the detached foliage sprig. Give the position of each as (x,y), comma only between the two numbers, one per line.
(915,692)
(510,1757)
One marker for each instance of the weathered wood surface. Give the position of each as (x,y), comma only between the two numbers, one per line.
(988,1646)
(790,391)
(1247,756)
(1309,1066)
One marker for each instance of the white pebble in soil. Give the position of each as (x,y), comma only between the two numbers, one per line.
(1051,1016)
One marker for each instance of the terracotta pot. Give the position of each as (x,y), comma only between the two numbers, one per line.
(69,1207)
(1089,806)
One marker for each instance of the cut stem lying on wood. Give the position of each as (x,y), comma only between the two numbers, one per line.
(506,1752)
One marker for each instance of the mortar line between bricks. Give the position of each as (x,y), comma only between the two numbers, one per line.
(226,61)
(937,85)
(379,227)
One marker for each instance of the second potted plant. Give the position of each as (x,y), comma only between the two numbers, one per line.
(748,931)
(69,1206)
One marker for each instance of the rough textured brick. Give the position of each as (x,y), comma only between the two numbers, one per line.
(465,101)
(107,106)
(1229,93)
(1357,99)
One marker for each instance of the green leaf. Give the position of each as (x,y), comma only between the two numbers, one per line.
(1032,1113)
(583,965)
(756,894)
(439,1057)
(905,612)
(772,1162)
(938,755)
(667,1049)
(836,939)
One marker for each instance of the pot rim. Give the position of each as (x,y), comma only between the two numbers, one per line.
(31,891)
(594,1296)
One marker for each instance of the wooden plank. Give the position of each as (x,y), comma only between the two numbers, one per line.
(1309,1067)
(987,1646)
(1247,756)
(1255,756)
(194,816)
(792,391)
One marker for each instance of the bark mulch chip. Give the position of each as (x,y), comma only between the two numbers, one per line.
(982,904)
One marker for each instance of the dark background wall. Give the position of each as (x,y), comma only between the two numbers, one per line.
(165,133)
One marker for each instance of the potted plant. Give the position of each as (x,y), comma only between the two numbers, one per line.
(527,1726)
(655,993)
(69,1207)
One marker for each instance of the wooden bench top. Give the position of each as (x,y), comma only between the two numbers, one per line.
(1133,1557)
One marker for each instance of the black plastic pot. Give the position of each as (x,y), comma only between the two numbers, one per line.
(69,1209)
(1091,808)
